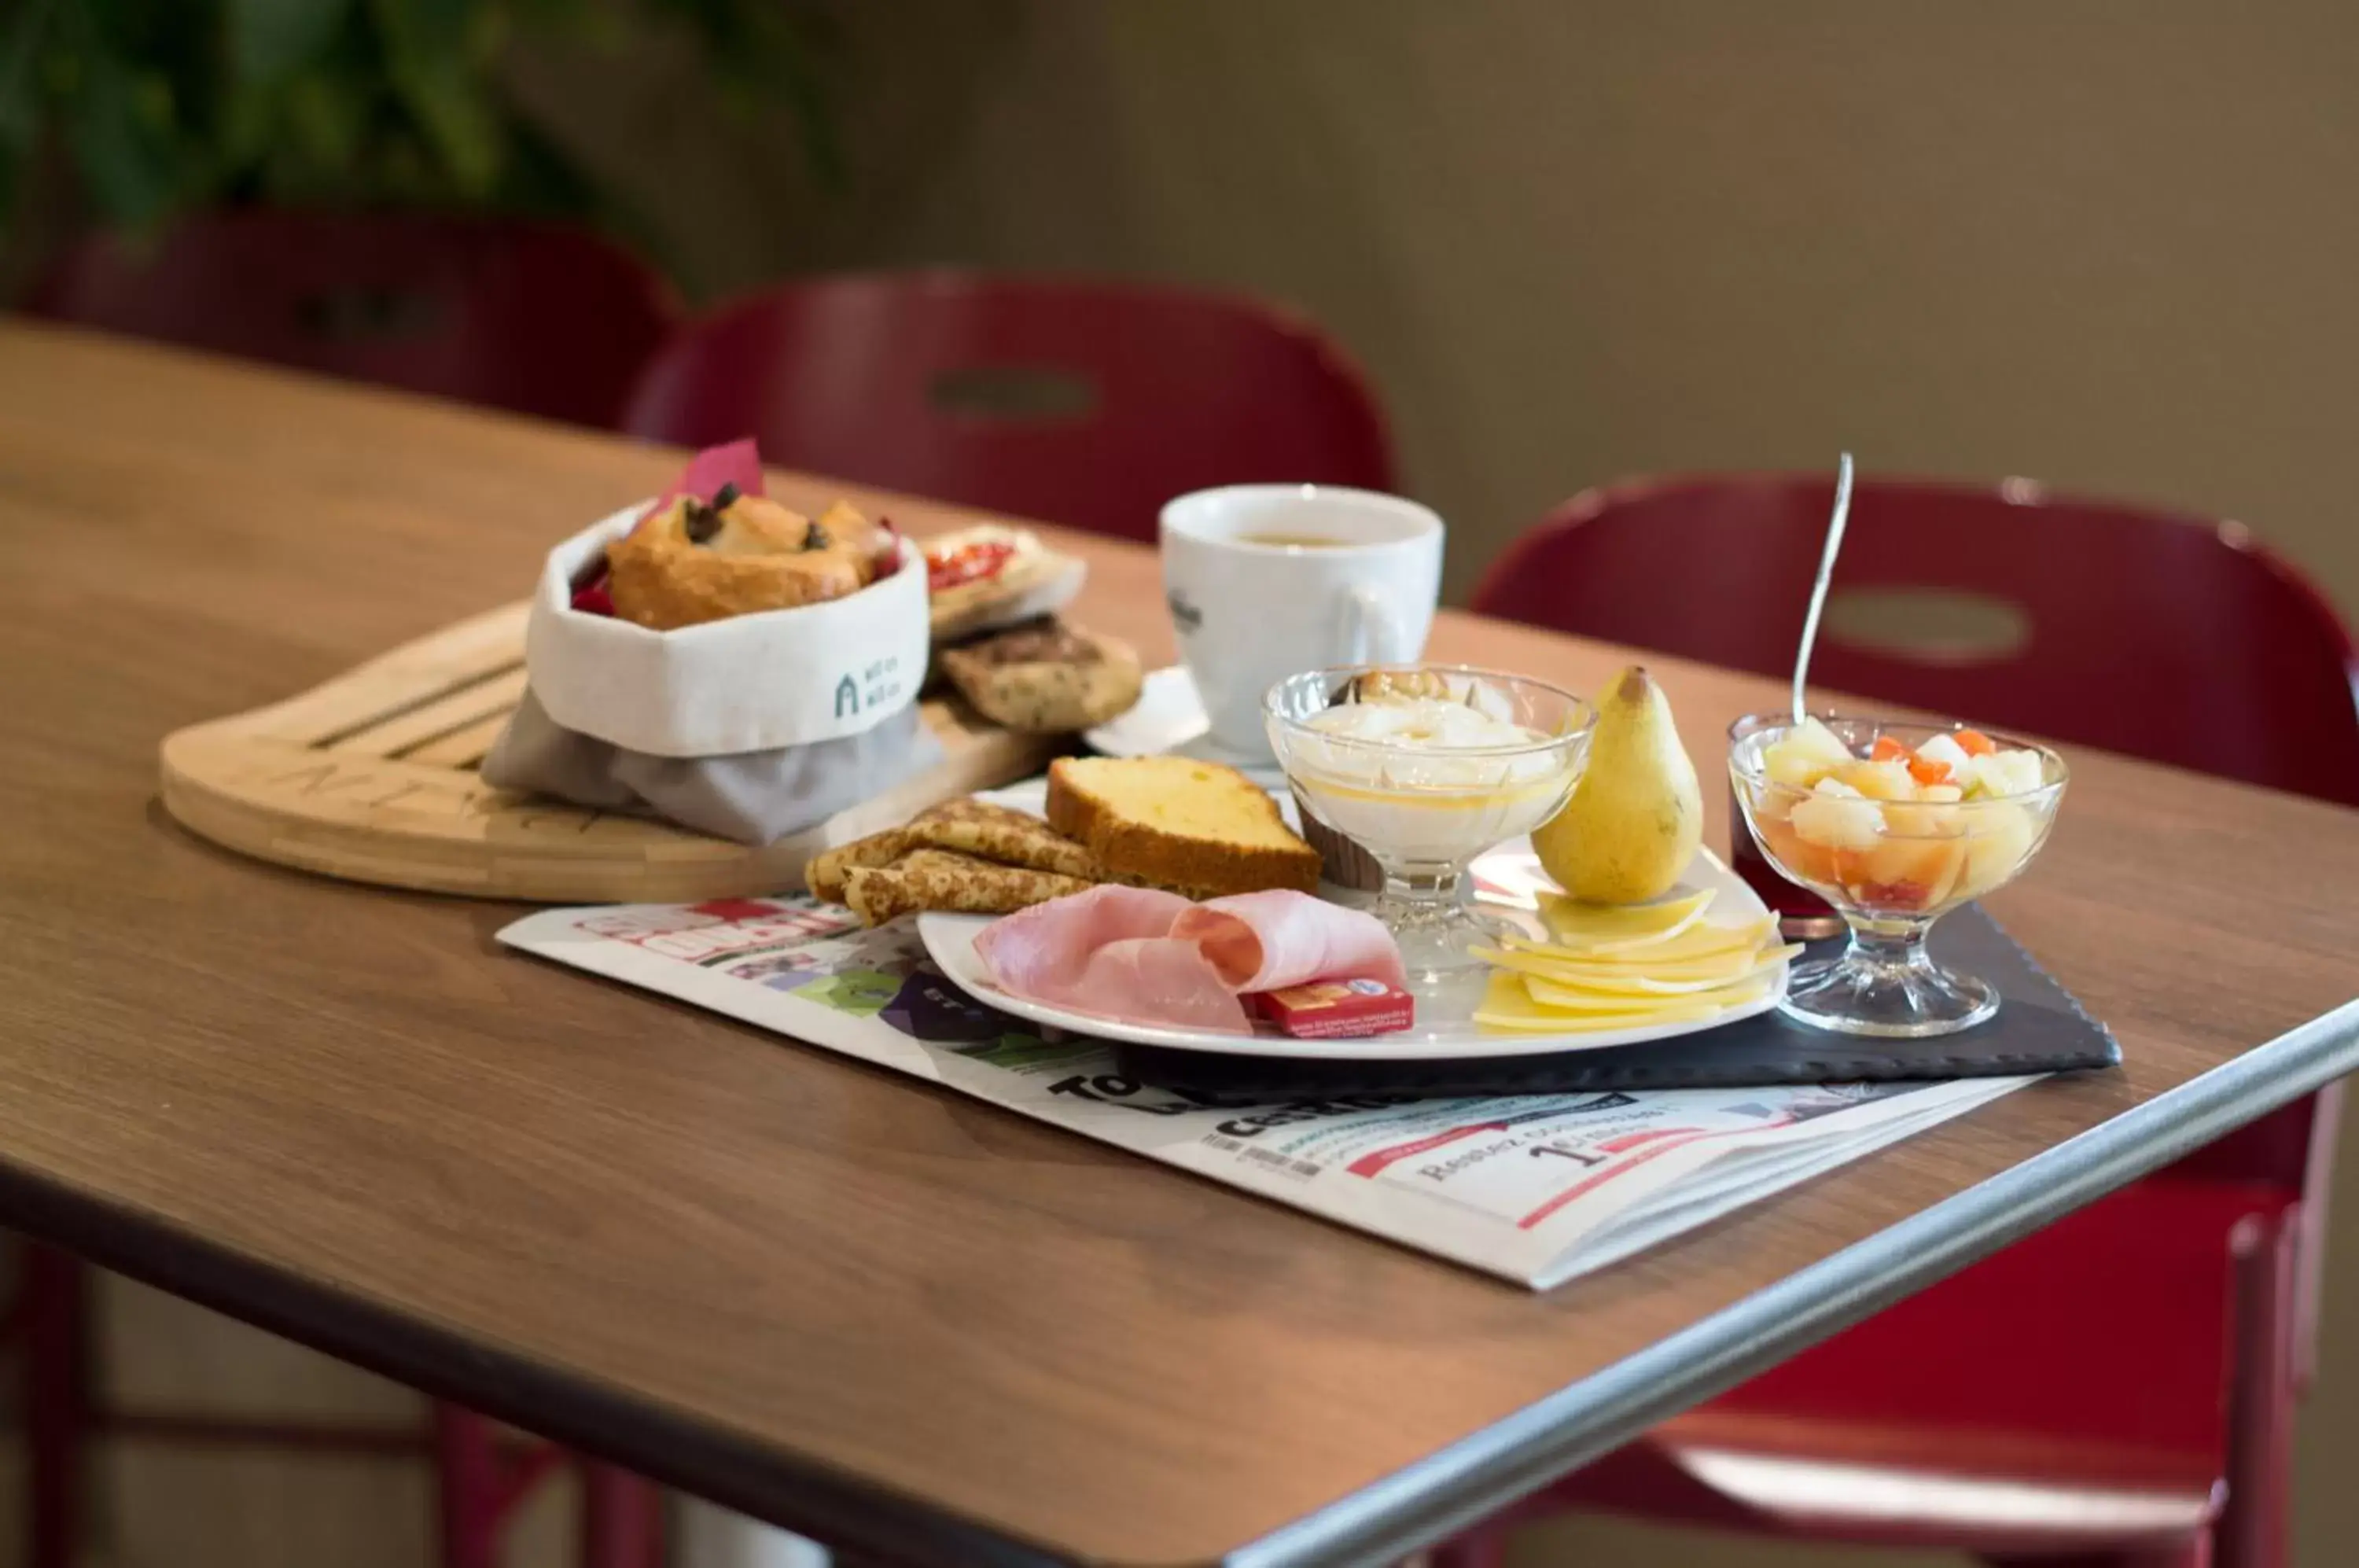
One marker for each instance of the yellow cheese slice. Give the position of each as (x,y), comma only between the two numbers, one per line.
(1605,927)
(1630,980)
(1548,996)
(1714,970)
(1507,1007)
(1506,989)
(1697,941)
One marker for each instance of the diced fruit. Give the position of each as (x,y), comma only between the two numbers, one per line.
(1786,763)
(1945,750)
(1941,793)
(1926,817)
(1881,780)
(1838,817)
(1998,836)
(1888,749)
(1928,770)
(1804,755)
(1912,873)
(1793,853)
(1973,743)
(2005,773)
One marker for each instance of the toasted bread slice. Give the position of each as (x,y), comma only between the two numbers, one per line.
(1195,828)
(828,875)
(1046,677)
(943,879)
(968,826)
(997,832)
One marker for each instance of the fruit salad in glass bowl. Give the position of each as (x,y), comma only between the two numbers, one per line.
(1893,823)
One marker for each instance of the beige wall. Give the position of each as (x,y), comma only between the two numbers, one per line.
(2108,245)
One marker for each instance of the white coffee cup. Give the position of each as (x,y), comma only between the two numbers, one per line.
(1250,612)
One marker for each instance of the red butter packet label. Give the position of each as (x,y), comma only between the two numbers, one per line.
(1337,1010)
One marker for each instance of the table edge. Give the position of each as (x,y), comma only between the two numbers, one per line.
(1447,1491)
(795,1492)
(1475,1477)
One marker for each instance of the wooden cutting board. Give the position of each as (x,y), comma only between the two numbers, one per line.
(373,778)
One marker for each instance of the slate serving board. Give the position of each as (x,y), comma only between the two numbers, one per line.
(2039,1028)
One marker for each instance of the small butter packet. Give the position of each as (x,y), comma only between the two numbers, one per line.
(1337,1010)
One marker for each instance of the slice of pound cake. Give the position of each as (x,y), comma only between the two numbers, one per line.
(1195,828)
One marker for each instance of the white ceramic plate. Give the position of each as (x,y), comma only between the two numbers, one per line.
(1445,1028)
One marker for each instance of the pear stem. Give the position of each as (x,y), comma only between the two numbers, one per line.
(1819,589)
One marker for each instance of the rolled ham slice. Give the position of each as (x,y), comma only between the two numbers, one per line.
(1140,956)
(1047,946)
(1267,941)
(1157,980)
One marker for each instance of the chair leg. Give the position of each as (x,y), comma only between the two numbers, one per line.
(57,1402)
(2256,1522)
(469,1489)
(622,1519)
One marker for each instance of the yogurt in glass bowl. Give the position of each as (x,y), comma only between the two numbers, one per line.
(1423,767)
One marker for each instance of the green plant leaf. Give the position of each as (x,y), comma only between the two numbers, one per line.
(321,134)
(125,144)
(760,54)
(438,58)
(268,39)
(162,105)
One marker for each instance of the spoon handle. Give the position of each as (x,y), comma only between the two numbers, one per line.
(1819,589)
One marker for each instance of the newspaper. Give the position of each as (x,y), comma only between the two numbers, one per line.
(1537,1189)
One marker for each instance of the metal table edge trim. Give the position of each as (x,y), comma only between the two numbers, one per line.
(1474,1478)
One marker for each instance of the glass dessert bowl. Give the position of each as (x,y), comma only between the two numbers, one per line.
(1895,824)
(1423,767)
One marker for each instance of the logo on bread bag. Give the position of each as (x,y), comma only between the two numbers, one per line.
(872,687)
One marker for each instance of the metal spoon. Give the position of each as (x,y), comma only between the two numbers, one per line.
(1819,589)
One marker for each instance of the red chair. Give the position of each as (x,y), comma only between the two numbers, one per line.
(1089,404)
(531,317)
(2118,1388)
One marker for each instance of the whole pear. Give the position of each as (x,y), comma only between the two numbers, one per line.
(1636,816)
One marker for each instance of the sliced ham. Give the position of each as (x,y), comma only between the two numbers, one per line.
(1156,980)
(1267,941)
(1148,957)
(1047,947)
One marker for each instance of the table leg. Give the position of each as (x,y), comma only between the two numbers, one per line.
(57,1400)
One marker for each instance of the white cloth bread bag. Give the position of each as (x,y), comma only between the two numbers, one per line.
(750,728)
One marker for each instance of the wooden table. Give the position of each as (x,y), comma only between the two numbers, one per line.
(838,1299)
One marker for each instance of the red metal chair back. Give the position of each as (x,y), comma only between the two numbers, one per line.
(1089,404)
(2164,636)
(530,317)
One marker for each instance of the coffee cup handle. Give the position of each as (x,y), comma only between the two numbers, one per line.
(1374,635)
